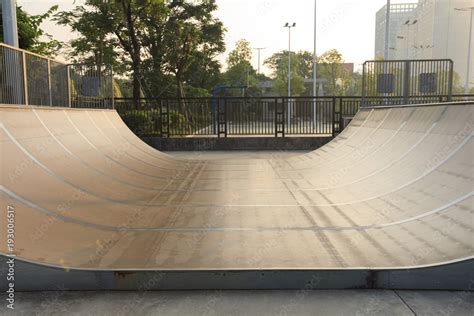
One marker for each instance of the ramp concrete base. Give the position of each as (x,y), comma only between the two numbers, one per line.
(237,143)
(34,277)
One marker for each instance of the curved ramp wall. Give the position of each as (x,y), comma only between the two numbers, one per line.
(392,193)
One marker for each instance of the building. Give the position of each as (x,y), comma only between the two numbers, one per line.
(443,32)
(399,14)
(431,29)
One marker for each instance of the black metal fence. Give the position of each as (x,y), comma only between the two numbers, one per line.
(258,117)
(410,81)
(30,79)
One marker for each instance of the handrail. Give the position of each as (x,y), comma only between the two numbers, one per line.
(33,54)
(31,79)
(206,117)
(418,105)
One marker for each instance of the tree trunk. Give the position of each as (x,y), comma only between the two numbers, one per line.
(136,82)
(135,52)
(180,93)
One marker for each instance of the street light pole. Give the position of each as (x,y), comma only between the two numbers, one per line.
(289,26)
(258,49)
(10,29)
(469,56)
(408,23)
(469,45)
(315,61)
(387,30)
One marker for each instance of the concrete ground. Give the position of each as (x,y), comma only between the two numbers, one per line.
(330,302)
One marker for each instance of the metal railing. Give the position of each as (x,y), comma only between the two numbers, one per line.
(226,117)
(234,116)
(30,79)
(27,78)
(407,81)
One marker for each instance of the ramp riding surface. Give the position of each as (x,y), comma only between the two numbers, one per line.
(393,192)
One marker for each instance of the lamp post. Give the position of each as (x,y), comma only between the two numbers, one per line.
(387,30)
(10,29)
(386,51)
(315,62)
(289,26)
(469,57)
(258,49)
(408,23)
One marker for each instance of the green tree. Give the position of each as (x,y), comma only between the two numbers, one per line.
(278,64)
(204,74)
(241,53)
(458,86)
(158,40)
(192,36)
(307,61)
(240,70)
(30,35)
(330,67)
(120,24)
(93,45)
(354,84)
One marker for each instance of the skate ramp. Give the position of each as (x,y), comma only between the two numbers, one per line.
(392,192)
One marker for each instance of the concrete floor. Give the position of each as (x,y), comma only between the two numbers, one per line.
(333,302)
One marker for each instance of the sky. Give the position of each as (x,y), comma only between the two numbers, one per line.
(347,25)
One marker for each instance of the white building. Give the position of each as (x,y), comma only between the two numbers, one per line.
(433,30)
(399,14)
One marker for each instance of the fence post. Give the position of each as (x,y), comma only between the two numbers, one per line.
(276,117)
(225,118)
(112,86)
(168,123)
(69,94)
(364,83)
(25,79)
(333,116)
(284,109)
(50,92)
(406,82)
(313,113)
(341,112)
(450,81)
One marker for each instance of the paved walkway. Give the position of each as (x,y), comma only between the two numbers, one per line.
(347,302)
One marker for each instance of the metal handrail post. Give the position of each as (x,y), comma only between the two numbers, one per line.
(50,92)
(25,78)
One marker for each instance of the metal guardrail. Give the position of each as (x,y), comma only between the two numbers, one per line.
(412,81)
(234,117)
(224,117)
(30,79)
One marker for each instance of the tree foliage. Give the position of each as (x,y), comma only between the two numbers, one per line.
(240,70)
(240,54)
(330,67)
(159,42)
(278,64)
(30,34)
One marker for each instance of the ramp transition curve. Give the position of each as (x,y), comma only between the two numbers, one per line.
(388,203)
